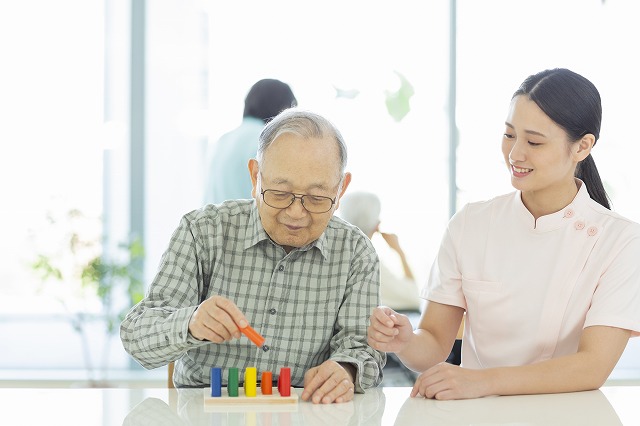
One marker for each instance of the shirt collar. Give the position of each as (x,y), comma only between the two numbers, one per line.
(256,231)
(257,234)
(555,220)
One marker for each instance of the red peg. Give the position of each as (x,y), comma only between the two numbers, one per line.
(284,381)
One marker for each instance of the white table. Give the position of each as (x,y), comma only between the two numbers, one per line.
(615,405)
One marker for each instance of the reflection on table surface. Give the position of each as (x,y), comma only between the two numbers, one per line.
(381,406)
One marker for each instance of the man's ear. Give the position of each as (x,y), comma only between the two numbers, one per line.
(345,183)
(584,146)
(253,172)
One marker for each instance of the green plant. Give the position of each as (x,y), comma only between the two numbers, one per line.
(88,283)
(107,277)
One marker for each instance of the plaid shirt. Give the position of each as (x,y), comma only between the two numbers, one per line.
(311,304)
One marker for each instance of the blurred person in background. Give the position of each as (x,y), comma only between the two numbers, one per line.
(227,161)
(399,292)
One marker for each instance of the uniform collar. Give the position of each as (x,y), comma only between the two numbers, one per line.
(556,220)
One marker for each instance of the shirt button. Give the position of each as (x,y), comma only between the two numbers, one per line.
(272,311)
(180,334)
(281,268)
(568,213)
(265,348)
(592,231)
(579,225)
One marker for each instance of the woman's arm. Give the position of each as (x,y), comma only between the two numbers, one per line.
(428,345)
(434,337)
(599,350)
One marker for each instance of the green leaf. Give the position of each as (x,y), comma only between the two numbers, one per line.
(398,102)
(43,267)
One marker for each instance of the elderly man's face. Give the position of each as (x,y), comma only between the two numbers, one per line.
(303,167)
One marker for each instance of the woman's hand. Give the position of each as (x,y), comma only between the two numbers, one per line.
(389,331)
(447,381)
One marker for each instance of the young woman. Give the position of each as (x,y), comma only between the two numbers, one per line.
(549,276)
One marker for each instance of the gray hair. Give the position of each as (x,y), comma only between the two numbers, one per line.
(361,209)
(305,124)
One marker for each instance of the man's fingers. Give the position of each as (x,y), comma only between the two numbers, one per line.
(235,315)
(217,319)
(310,384)
(231,317)
(328,383)
(336,390)
(214,337)
(202,332)
(222,325)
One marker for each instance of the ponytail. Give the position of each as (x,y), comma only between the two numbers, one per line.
(587,172)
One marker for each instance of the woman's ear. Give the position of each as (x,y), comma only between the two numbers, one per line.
(584,146)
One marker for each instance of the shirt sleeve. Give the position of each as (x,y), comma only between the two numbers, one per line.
(445,279)
(349,342)
(156,330)
(617,297)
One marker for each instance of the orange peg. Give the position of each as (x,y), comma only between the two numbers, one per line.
(253,335)
(266,383)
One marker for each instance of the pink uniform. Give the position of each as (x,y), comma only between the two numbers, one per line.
(529,288)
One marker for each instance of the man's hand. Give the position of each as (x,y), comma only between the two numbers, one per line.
(329,382)
(217,319)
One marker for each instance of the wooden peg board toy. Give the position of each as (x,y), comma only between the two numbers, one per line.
(250,393)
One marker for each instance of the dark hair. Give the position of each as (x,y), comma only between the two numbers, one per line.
(267,98)
(573,103)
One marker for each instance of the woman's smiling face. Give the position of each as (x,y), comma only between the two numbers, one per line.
(536,150)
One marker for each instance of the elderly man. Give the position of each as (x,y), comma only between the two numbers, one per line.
(304,279)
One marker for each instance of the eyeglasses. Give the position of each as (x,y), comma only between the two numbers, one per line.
(282,200)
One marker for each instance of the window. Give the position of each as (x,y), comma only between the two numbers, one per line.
(65,108)
(53,140)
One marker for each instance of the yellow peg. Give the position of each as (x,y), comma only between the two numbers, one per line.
(250,381)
